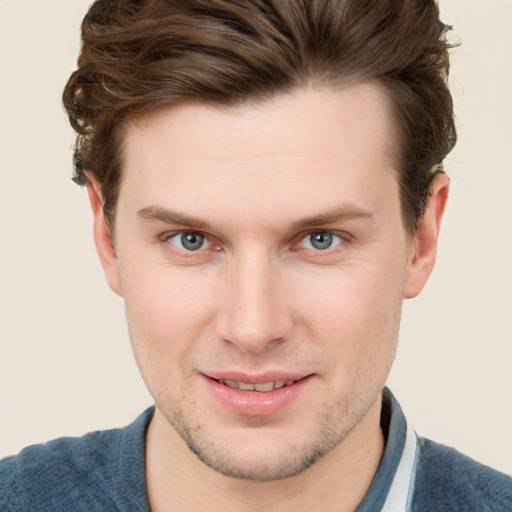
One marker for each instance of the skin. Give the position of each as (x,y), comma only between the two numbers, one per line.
(259,298)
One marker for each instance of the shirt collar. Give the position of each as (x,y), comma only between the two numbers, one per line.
(393,484)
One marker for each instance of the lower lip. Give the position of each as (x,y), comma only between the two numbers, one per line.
(256,403)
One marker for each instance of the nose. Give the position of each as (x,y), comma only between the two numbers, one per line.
(254,313)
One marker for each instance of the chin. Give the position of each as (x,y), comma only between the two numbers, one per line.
(260,454)
(263,467)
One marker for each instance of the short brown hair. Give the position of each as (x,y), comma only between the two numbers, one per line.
(141,55)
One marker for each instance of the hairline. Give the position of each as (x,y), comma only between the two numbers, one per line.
(393,142)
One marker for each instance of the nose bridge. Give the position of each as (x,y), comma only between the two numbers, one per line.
(254,311)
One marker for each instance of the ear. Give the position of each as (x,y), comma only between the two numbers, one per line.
(102,236)
(424,243)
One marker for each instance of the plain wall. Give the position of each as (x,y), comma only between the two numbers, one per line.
(65,361)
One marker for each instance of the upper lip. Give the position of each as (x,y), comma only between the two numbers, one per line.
(255,378)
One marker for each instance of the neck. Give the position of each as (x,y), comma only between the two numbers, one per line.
(178,480)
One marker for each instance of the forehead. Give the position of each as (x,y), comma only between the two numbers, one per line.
(310,149)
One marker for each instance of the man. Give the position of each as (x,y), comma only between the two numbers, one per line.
(266,184)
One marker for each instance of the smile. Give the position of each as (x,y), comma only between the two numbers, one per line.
(262,387)
(259,395)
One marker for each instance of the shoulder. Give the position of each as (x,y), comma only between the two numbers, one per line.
(43,476)
(73,473)
(447,480)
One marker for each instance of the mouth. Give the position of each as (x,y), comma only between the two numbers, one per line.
(261,387)
(261,395)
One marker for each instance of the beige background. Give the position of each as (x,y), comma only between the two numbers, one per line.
(65,362)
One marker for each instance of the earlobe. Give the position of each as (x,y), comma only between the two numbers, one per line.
(102,236)
(424,250)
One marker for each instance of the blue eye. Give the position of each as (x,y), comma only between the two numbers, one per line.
(189,241)
(321,240)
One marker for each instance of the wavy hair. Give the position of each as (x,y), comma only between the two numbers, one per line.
(141,55)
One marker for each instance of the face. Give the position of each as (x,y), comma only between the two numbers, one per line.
(262,258)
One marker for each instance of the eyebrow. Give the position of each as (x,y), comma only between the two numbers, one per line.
(158,213)
(344,213)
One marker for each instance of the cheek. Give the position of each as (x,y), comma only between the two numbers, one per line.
(166,310)
(360,295)
(354,314)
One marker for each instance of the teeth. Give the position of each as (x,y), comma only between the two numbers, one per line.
(231,383)
(264,386)
(261,387)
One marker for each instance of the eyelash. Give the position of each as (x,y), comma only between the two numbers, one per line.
(166,237)
(344,238)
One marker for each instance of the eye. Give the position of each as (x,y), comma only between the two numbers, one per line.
(321,240)
(188,241)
